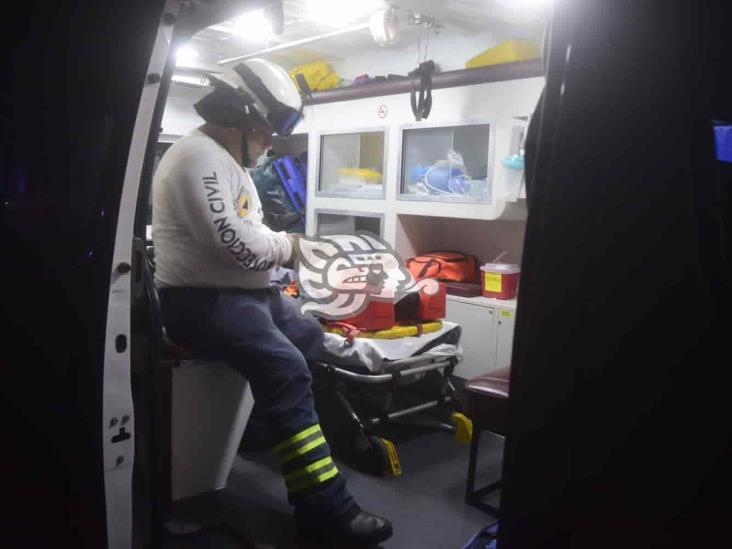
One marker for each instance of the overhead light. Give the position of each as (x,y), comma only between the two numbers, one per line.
(253,26)
(532,5)
(186,55)
(337,13)
(384,27)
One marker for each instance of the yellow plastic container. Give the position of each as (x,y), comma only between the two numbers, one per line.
(364,175)
(319,75)
(505,52)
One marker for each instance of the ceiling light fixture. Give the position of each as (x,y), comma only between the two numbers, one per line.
(337,13)
(253,26)
(186,56)
(384,26)
(528,5)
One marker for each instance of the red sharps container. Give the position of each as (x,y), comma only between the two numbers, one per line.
(500,280)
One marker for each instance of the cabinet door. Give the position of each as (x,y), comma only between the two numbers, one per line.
(505,323)
(478,337)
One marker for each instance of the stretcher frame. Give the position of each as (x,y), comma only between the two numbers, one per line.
(399,370)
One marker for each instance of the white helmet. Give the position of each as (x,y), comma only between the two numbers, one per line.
(257,89)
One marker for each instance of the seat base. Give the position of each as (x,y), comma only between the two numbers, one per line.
(211,404)
(475,497)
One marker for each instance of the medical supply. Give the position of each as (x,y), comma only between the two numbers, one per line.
(445,266)
(515,161)
(433,306)
(359,178)
(422,305)
(445,179)
(291,176)
(418,173)
(513,174)
(281,212)
(505,52)
(319,75)
(378,315)
(500,280)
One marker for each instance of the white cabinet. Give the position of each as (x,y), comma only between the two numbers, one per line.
(487,338)
(368,155)
(505,323)
(343,222)
(478,338)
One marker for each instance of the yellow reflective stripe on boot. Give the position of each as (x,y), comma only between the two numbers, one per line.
(297,452)
(328,472)
(296,438)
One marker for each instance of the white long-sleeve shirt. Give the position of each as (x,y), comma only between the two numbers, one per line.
(207,221)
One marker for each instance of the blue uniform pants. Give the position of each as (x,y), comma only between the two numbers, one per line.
(262,335)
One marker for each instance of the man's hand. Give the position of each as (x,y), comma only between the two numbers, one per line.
(293,238)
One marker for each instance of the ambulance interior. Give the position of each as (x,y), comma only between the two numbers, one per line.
(449,178)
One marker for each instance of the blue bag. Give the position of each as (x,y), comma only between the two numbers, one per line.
(723,138)
(280,214)
(292,179)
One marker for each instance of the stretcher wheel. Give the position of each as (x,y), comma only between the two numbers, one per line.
(378,456)
(463,427)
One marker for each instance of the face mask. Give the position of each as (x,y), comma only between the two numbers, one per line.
(262,158)
(244,150)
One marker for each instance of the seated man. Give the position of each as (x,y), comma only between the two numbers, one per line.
(213,262)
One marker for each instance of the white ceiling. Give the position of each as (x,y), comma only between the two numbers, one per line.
(461,18)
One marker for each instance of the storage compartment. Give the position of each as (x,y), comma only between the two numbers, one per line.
(450,163)
(478,337)
(418,235)
(352,164)
(332,222)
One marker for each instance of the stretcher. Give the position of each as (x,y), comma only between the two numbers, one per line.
(370,371)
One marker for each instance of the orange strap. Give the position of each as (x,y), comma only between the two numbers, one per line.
(350,332)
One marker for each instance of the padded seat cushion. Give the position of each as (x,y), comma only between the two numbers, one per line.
(171,351)
(486,400)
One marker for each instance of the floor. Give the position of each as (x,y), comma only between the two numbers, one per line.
(425,503)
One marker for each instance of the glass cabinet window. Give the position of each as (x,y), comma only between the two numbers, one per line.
(352,164)
(328,223)
(446,163)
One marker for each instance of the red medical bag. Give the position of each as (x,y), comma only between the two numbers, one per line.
(378,315)
(432,307)
(453,266)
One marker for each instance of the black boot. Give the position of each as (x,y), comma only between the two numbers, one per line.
(356,527)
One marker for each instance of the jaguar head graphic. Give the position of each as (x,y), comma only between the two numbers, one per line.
(339,274)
